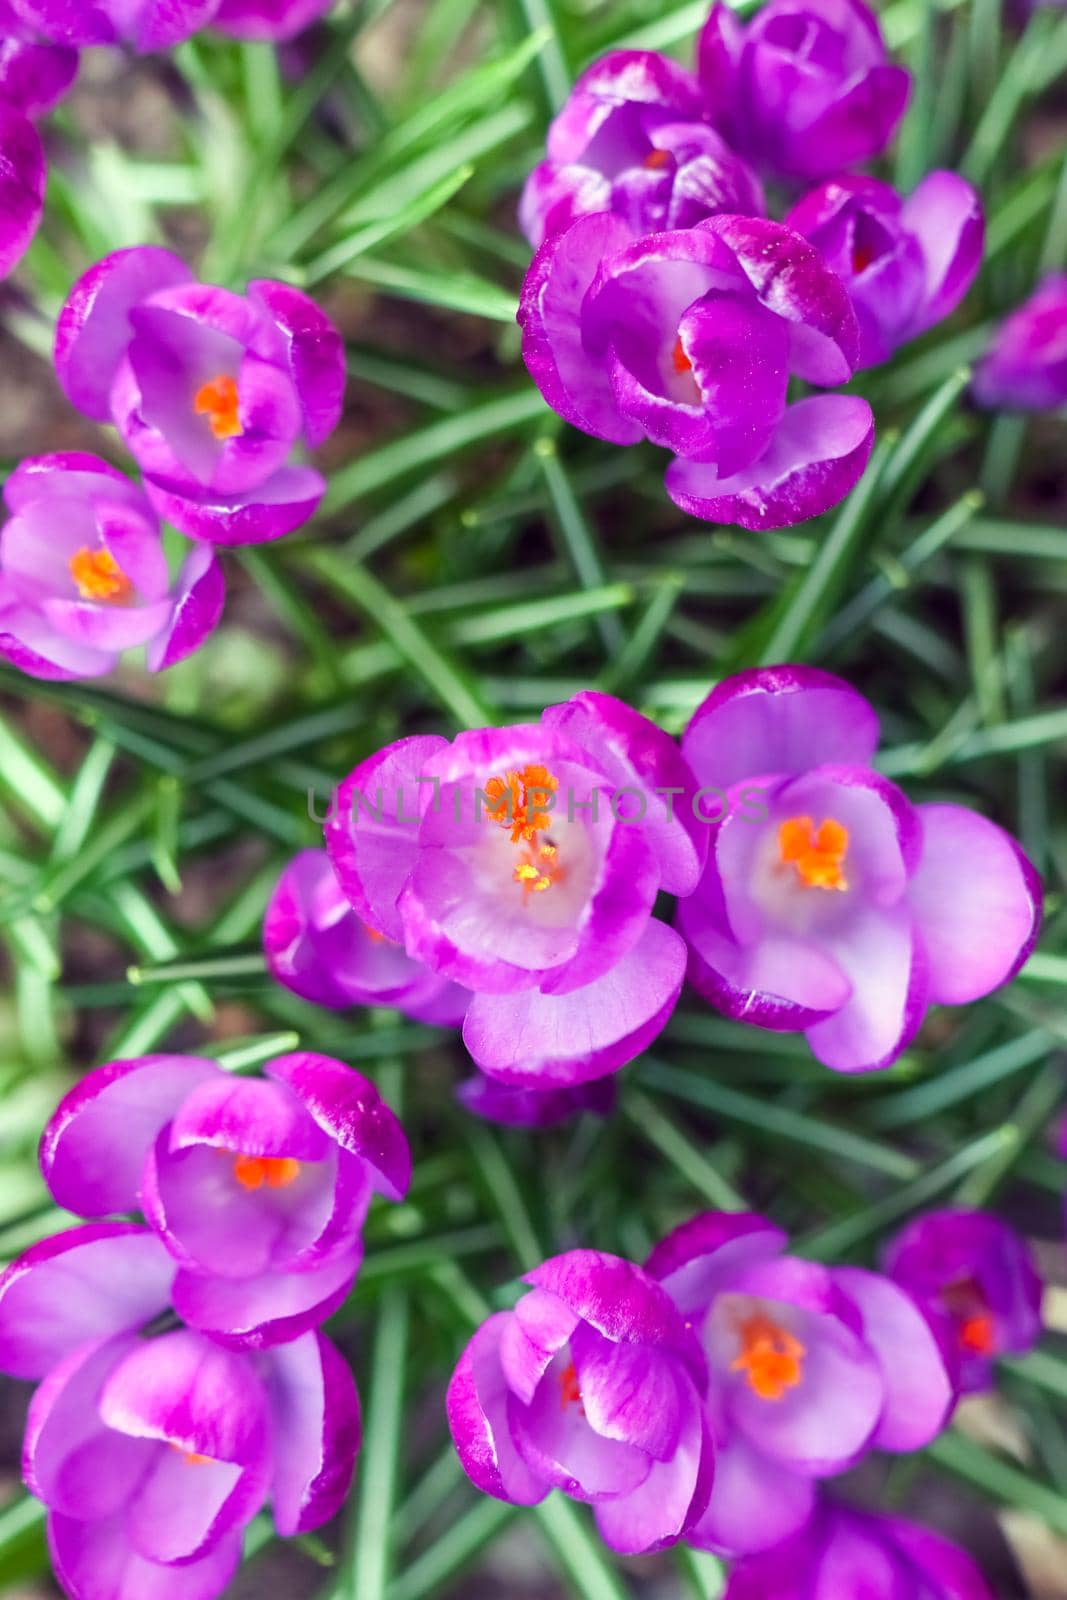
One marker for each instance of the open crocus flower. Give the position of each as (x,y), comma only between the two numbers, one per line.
(633,138)
(211,391)
(268,19)
(151,1446)
(1025,367)
(806,89)
(523,863)
(316,945)
(690,339)
(34,74)
(977,1281)
(518,1107)
(258,1187)
(845,1553)
(83,574)
(593,1384)
(809,1368)
(907,263)
(845,911)
(144,25)
(23,176)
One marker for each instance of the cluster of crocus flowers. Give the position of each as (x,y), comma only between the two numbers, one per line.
(184,1381)
(708,1395)
(663,305)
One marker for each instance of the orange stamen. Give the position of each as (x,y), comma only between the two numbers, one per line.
(966,1303)
(98,576)
(219,401)
(656,159)
(190,1457)
(519,801)
(819,858)
(862,257)
(569,1388)
(679,359)
(278,1172)
(537,870)
(771,1359)
(977,1336)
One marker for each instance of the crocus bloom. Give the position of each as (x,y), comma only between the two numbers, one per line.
(211,391)
(806,89)
(83,574)
(690,338)
(268,19)
(809,1368)
(143,24)
(593,1384)
(846,910)
(633,138)
(524,863)
(844,1552)
(978,1283)
(316,945)
(258,1187)
(23,175)
(519,1107)
(1025,367)
(151,1446)
(907,263)
(34,75)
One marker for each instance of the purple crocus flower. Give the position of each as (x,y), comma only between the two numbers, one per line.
(144,25)
(806,89)
(34,75)
(845,910)
(258,1187)
(1025,367)
(690,338)
(268,19)
(23,176)
(633,138)
(211,391)
(845,1552)
(907,263)
(593,1384)
(523,863)
(83,574)
(519,1107)
(810,1367)
(151,1446)
(316,946)
(977,1281)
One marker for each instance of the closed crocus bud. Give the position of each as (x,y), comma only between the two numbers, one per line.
(258,1187)
(907,263)
(806,89)
(810,1367)
(844,1553)
(634,139)
(83,574)
(517,1107)
(34,75)
(23,175)
(524,863)
(690,339)
(838,908)
(317,947)
(144,25)
(211,391)
(979,1284)
(268,19)
(1025,367)
(593,1384)
(151,1446)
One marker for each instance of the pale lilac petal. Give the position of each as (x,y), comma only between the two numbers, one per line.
(477,1416)
(886,964)
(95,1561)
(316,352)
(755,1504)
(697,1260)
(348,1108)
(671,1499)
(257,1313)
(316,1422)
(70,1460)
(919,1393)
(534,1335)
(945,215)
(197,606)
(284,502)
(23,175)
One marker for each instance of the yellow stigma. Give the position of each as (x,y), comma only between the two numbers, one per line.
(819,857)
(98,576)
(277,1172)
(219,401)
(771,1359)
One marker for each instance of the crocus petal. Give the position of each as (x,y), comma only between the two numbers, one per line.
(819,452)
(34,77)
(559,1447)
(937,1561)
(94,325)
(70,1460)
(95,1561)
(477,1416)
(886,963)
(81,1285)
(536,1332)
(631,1394)
(348,1107)
(257,1313)
(276,20)
(855,127)
(94,1147)
(316,1421)
(561,1040)
(918,1388)
(671,1499)
(316,352)
(755,1504)
(196,610)
(532,1107)
(945,215)
(285,501)
(697,1260)
(977,901)
(23,176)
